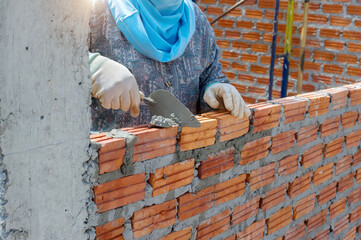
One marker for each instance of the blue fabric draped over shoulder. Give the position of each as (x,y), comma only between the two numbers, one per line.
(188,75)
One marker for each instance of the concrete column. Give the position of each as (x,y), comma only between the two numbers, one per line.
(44,118)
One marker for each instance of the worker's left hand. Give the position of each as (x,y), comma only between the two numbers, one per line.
(232,100)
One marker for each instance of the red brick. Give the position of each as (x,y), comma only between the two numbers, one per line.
(345,183)
(233,237)
(283,141)
(322,174)
(332,8)
(334,45)
(248,57)
(230,189)
(193,138)
(355,214)
(352,35)
(274,197)
(288,165)
(254,231)
(332,69)
(306,134)
(230,55)
(279,220)
(358,176)
(354,71)
(356,158)
(259,47)
(349,119)
(317,18)
(330,126)
(353,139)
(333,148)
(343,164)
(214,225)
(339,21)
(322,235)
(244,24)
(111,230)
(119,192)
(346,58)
(351,235)
(294,109)
(329,33)
(338,97)
(354,10)
(323,56)
(146,220)
(299,185)
(239,67)
(223,44)
(254,13)
(327,193)
(337,208)
(171,177)
(225,23)
(340,225)
(255,150)
(216,163)
(184,234)
(317,221)
(228,126)
(191,204)
(354,94)
(258,69)
(318,104)
(245,211)
(354,47)
(304,206)
(265,116)
(261,176)
(355,196)
(312,156)
(295,233)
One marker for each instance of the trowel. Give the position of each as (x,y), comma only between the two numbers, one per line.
(165,104)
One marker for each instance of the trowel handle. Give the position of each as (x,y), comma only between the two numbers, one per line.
(146,99)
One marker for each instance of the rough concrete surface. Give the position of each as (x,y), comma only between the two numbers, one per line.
(44,118)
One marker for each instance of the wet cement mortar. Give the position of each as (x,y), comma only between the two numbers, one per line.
(238,144)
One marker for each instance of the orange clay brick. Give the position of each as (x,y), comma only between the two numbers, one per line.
(216,163)
(261,176)
(330,126)
(343,164)
(254,231)
(245,211)
(294,109)
(152,142)
(191,204)
(184,234)
(350,235)
(345,183)
(255,150)
(288,165)
(146,220)
(265,116)
(337,208)
(333,148)
(312,156)
(327,193)
(171,177)
(304,206)
(340,225)
(233,237)
(349,119)
(322,174)
(306,134)
(356,158)
(253,13)
(214,225)
(111,230)
(322,235)
(279,220)
(354,10)
(111,152)
(355,214)
(119,192)
(318,104)
(295,233)
(299,185)
(317,221)
(358,176)
(274,197)
(355,196)
(229,126)
(283,141)
(338,97)
(332,8)
(353,139)
(230,189)
(193,138)
(354,94)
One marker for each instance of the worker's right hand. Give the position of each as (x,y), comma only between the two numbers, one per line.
(115,87)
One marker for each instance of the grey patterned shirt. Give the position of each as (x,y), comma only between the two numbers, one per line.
(188,75)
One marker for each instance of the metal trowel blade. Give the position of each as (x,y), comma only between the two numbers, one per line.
(166,104)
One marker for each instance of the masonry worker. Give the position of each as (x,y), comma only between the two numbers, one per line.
(146,45)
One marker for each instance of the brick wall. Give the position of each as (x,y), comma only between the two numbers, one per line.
(245,36)
(293,171)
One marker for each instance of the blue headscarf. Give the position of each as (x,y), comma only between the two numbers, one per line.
(159,29)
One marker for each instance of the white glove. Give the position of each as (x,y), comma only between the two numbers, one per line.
(232,100)
(115,87)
